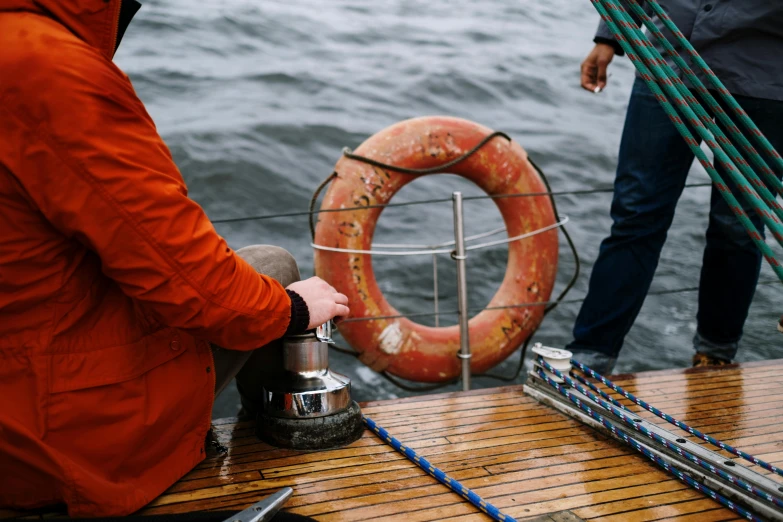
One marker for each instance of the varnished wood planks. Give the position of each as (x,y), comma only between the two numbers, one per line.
(525,458)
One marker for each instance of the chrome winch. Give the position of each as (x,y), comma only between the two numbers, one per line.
(306,405)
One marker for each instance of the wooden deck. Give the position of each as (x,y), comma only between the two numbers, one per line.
(525,458)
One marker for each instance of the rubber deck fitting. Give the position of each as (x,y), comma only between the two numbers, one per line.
(312,433)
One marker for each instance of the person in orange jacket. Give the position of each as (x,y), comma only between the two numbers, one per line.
(113,283)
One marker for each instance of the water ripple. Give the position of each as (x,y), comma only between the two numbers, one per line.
(256,100)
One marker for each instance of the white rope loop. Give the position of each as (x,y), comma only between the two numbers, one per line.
(435,249)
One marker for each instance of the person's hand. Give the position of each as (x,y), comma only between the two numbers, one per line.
(323,302)
(594,67)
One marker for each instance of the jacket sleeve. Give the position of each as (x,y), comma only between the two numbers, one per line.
(604,35)
(92,161)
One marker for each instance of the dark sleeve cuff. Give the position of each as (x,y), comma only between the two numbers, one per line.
(610,41)
(300,315)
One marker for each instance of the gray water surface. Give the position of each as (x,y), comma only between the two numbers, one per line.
(257,98)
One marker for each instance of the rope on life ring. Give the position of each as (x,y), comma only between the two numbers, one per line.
(398,345)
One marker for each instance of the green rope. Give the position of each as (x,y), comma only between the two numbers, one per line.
(769,175)
(725,94)
(621,18)
(687,104)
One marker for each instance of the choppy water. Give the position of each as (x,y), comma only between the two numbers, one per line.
(257,98)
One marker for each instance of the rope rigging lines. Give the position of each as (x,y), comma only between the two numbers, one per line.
(602,408)
(667,86)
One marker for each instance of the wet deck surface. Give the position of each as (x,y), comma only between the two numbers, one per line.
(525,458)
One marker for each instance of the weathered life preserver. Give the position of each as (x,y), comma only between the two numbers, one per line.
(400,346)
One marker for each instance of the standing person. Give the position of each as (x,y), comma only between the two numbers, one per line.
(113,282)
(742,42)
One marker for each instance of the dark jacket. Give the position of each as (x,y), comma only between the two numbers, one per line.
(741,40)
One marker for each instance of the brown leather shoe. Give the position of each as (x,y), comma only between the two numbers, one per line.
(702,359)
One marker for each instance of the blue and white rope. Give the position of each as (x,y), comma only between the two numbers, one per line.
(668,418)
(441,477)
(638,447)
(683,453)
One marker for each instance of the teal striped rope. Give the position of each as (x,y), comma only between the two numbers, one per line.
(649,79)
(724,93)
(743,165)
(687,105)
(652,59)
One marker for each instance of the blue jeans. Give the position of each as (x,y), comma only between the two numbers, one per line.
(652,169)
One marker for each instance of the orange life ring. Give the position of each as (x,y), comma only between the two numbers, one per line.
(400,346)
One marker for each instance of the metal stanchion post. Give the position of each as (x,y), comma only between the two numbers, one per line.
(462,290)
(435,287)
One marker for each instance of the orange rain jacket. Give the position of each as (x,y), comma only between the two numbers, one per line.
(111,280)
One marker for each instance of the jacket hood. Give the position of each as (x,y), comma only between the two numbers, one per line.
(96,22)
